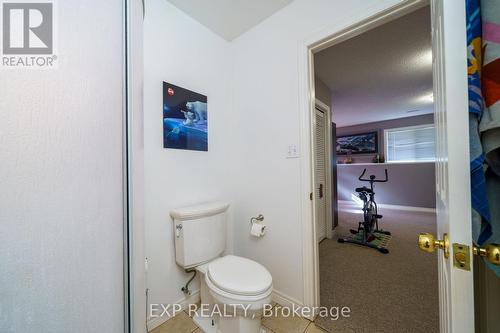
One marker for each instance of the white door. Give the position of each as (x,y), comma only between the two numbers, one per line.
(320,169)
(61,179)
(452,169)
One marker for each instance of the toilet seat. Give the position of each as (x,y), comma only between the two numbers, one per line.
(233,276)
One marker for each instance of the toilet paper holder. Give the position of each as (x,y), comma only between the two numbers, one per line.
(259,218)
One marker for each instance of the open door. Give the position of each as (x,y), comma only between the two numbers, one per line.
(453,200)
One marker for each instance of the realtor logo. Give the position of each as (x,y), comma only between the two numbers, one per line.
(28,34)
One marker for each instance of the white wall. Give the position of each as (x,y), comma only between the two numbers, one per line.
(266,113)
(61,212)
(179,50)
(252,85)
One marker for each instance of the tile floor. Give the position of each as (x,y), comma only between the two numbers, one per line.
(182,323)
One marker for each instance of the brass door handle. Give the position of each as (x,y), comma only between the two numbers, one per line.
(491,252)
(428,243)
(461,253)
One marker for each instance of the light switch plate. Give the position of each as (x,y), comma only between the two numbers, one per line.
(292,151)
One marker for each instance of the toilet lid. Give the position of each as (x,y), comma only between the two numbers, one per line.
(239,275)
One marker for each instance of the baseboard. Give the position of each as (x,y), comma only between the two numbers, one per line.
(184,302)
(285,300)
(388,206)
(346,202)
(409,208)
(290,302)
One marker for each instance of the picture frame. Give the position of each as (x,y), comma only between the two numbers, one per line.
(361,143)
(185,119)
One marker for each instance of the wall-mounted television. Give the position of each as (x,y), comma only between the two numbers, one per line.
(364,143)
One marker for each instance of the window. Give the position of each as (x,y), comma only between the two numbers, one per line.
(410,144)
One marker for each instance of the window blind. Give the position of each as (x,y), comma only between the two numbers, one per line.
(410,144)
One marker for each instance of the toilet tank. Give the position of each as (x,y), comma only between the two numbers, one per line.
(200,233)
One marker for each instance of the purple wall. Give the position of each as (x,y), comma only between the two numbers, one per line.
(410,184)
(379,127)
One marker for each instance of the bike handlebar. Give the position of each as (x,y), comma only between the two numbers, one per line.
(374,179)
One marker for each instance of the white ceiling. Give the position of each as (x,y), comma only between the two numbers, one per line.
(381,74)
(230,18)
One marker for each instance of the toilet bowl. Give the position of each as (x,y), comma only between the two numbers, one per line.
(239,288)
(238,280)
(233,290)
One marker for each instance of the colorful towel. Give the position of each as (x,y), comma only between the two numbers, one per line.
(483,50)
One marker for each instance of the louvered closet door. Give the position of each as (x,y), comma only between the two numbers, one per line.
(320,173)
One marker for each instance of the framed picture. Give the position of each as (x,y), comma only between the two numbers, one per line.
(365,143)
(185,119)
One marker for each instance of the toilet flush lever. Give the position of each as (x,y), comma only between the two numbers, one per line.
(178,229)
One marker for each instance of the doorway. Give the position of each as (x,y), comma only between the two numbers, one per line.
(385,145)
(451,172)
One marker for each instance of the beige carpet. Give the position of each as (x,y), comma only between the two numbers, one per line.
(395,292)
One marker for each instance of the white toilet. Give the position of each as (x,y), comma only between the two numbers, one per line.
(228,282)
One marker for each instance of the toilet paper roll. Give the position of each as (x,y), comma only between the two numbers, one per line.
(257,230)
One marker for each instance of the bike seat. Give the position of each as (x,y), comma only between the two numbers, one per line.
(363,189)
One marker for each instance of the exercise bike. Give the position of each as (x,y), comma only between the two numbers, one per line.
(368,228)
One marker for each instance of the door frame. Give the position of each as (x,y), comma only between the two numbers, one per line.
(335,34)
(328,155)
(134,269)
